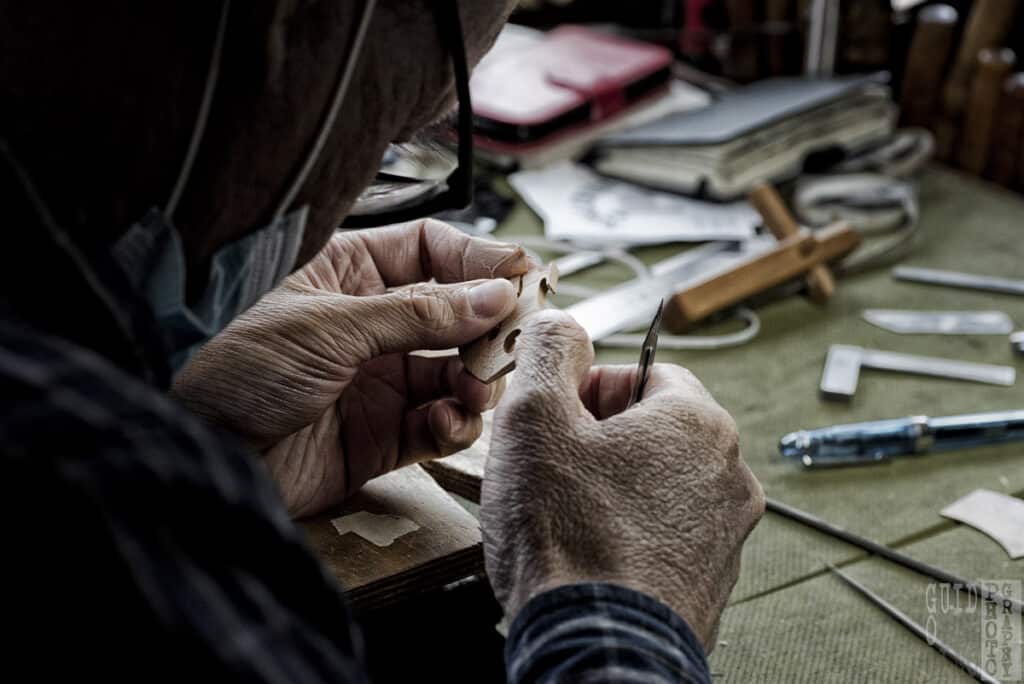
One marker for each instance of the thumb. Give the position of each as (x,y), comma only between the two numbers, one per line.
(427,316)
(553,357)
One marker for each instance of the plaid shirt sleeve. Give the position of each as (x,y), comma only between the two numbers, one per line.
(141,546)
(601,633)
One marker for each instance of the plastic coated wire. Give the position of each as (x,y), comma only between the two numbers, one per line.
(640,270)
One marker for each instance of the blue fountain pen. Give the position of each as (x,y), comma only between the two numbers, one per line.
(881,440)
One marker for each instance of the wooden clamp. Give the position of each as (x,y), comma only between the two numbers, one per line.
(988,24)
(490,357)
(794,256)
(923,74)
(820,284)
(1007,145)
(983,105)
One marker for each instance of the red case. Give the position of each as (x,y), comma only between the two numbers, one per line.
(573,76)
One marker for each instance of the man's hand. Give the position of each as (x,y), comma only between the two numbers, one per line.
(317,374)
(579,489)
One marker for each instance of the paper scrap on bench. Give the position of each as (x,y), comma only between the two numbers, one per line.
(579,205)
(380,530)
(998,515)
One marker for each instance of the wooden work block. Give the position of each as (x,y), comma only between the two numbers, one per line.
(400,535)
(490,357)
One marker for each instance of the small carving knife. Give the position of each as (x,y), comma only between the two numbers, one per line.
(647,352)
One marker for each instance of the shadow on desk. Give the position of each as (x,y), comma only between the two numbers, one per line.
(446,635)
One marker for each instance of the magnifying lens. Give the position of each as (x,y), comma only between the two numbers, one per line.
(423,178)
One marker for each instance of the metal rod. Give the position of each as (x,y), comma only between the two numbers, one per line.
(969,281)
(958,583)
(917,630)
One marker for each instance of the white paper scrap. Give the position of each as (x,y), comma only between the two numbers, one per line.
(380,530)
(579,205)
(998,515)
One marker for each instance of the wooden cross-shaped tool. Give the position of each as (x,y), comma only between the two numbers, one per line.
(776,217)
(799,252)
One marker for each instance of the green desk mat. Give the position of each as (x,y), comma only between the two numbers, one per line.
(820,630)
(788,622)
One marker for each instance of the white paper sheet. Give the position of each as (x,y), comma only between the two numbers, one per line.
(998,515)
(577,204)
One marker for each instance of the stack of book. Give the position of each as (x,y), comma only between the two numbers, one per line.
(765,132)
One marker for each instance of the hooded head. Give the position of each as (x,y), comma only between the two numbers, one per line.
(99,106)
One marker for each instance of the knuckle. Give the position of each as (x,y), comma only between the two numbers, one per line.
(439,238)
(439,230)
(557,324)
(722,436)
(756,500)
(702,424)
(522,405)
(496,392)
(724,427)
(462,437)
(716,423)
(343,243)
(683,374)
(683,379)
(534,410)
(474,430)
(559,333)
(430,308)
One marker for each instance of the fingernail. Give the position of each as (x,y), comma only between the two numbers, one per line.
(491,298)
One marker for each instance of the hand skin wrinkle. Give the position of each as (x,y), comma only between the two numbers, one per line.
(656,497)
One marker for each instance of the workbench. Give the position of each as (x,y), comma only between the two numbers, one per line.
(789,620)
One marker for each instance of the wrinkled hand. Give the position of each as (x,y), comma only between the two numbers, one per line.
(578,489)
(317,374)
